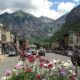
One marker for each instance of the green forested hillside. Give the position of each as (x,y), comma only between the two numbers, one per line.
(65,29)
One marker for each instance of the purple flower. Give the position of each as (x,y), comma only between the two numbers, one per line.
(62,72)
(7,73)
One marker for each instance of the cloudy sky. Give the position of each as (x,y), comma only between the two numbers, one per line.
(50,8)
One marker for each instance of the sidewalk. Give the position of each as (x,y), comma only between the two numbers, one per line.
(2,57)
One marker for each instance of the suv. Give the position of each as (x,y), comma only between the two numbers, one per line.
(42,52)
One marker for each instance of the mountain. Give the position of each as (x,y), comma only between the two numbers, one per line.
(53,25)
(57,24)
(45,19)
(72,23)
(61,20)
(25,25)
(74,15)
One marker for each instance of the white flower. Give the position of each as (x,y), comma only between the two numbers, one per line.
(72,72)
(62,62)
(35,63)
(3,78)
(54,61)
(53,68)
(45,65)
(66,64)
(69,61)
(20,63)
(50,62)
(14,70)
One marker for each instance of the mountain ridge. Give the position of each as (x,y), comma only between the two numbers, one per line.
(26,25)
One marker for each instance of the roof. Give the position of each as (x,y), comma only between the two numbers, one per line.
(32,46)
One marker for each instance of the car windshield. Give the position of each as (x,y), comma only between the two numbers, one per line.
(42,50)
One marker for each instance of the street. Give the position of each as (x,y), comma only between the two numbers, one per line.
(9,63)
(52,56)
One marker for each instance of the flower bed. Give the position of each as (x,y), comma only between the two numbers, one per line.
(34,67)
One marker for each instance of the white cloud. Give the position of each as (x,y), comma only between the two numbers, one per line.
(36,7)
(65,7)
(76,0)
(43,8)
(56,2)
(6,10)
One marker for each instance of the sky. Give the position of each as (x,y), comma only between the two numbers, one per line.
(49,8)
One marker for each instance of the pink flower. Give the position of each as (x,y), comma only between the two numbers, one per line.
(62,71)
(18,66)
(73,77)
(22,54)
(43,79)
(41,65)
(42,59)
(38,76)
(50,66)
(7,73)
(45,65)
(31,58)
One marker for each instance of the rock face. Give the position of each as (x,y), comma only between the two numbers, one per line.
(24,24)
(74,15)
(29,26)
(46,19)
(73,20)
(53,25)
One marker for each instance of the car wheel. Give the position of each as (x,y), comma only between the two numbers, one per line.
(43,54)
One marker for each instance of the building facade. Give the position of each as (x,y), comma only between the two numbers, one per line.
(5,37)
(74,39)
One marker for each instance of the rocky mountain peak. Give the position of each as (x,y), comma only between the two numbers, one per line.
(45,19)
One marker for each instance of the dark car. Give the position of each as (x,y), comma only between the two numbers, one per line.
(75,58)
(42,52)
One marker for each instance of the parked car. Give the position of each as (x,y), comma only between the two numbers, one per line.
(70,53)
(13,52)
(31,49)
(42,52)
(75,58)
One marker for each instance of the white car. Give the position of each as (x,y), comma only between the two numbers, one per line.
(12,53)
(70,53)
(30,51)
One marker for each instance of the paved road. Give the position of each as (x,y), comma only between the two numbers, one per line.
(7,64)
(11,61)
(52,56)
